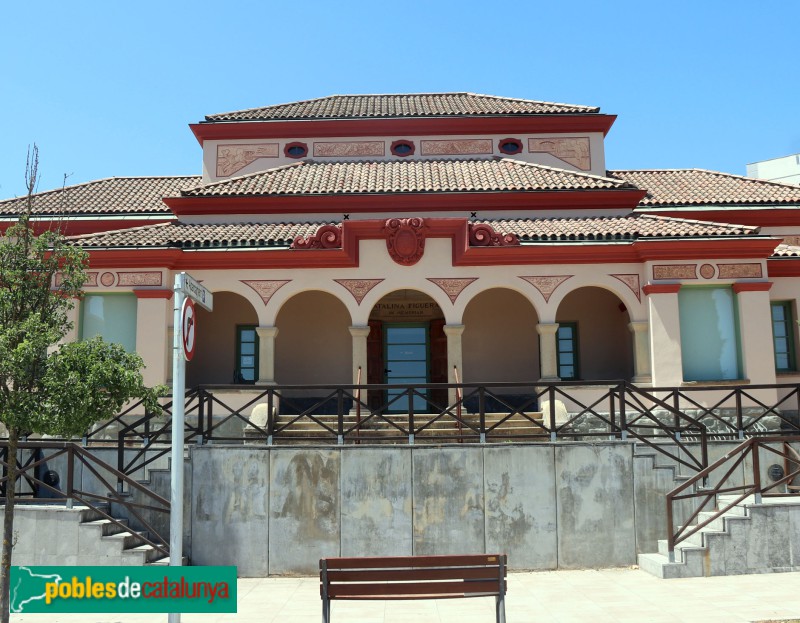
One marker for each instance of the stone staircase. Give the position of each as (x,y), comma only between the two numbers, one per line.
(51,534)
(749,538)
(436,429)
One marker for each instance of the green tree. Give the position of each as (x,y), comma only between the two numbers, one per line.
(46,386)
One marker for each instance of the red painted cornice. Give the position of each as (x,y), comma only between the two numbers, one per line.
(153,294)
(407,202)
(402,127)
(755,217)
(785,267)
(661,288)
(752,286)
(456,229)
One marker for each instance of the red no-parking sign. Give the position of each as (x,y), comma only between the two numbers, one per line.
(188,328)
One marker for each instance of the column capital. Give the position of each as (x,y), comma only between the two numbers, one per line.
(267,332)
(359,331)
(752,286)
(661,288)
(547,328)
(453,330)
(638,326)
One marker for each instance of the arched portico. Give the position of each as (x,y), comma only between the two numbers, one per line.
(226,350)
(593,338)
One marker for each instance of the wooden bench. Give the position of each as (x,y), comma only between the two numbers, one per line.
(413,577)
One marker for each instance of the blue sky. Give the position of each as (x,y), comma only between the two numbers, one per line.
(108,88)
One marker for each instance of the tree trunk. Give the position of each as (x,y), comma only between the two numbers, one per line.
(8,525)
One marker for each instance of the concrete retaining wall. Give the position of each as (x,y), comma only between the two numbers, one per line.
(279,510)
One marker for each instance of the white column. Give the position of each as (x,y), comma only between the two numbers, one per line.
(755,331)
(666,364)
(455,358)
(360,335)
(641,352)
(153,309)
(547,350)
(266,355)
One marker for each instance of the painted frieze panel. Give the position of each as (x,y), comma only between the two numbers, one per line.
(405,239)
(547,284)
(349,149)
(91,279)
(792,240)
(452,287)
(675,271)
(456,147)
(232,158)
(632,281)
(265,288)
(148,278)
(740,271)
(573,150)
(358,287)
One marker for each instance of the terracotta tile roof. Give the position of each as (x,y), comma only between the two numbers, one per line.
(111,196)
(194,235)
(610,228)
(405,176)
(265,235)
(786,250)
(401,105)
(690,187)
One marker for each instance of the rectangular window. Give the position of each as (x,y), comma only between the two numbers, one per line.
(111,316)
(783,336)
(246,354)
(709,334)
(567,350)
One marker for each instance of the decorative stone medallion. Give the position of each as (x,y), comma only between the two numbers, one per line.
(452,287)
(707,271)
(358,287)
(265,288)
(405,239)
(547,284)
(107,279)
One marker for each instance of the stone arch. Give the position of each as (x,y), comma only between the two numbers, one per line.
(500,343)
(604,341)
(313,344)
(215,357)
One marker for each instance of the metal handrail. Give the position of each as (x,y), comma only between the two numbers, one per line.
(73,492)
(699,489)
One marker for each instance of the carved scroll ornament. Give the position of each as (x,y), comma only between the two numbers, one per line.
(326,237)
(484,235)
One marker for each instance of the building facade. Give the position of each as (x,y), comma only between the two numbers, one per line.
(439,238)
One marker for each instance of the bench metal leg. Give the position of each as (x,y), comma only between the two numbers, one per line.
(500,607)
(326,611)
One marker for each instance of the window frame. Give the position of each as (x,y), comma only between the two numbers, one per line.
(240,329)
(788,322)
(575,352)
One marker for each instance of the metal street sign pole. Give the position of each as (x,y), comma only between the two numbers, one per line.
(184,286)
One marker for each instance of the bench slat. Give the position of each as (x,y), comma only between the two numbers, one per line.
(395,591)
(371,562)
(404,575)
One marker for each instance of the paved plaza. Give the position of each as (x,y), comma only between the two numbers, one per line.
(589,596)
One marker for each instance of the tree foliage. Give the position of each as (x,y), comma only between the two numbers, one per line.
(47,386)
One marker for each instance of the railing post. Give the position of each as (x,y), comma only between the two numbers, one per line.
(623,416)
(551,394)
(410,395)
(482,411)
(755,448)
(612,413)
(201,398)
(340,418)
(209,432)
(670,531)
(270,416)
(739,418)
(71,476)
(120,457)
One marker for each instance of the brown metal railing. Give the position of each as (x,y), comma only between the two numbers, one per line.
(705,495)
(29,486)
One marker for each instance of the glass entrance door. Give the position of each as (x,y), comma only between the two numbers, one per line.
(406,348)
